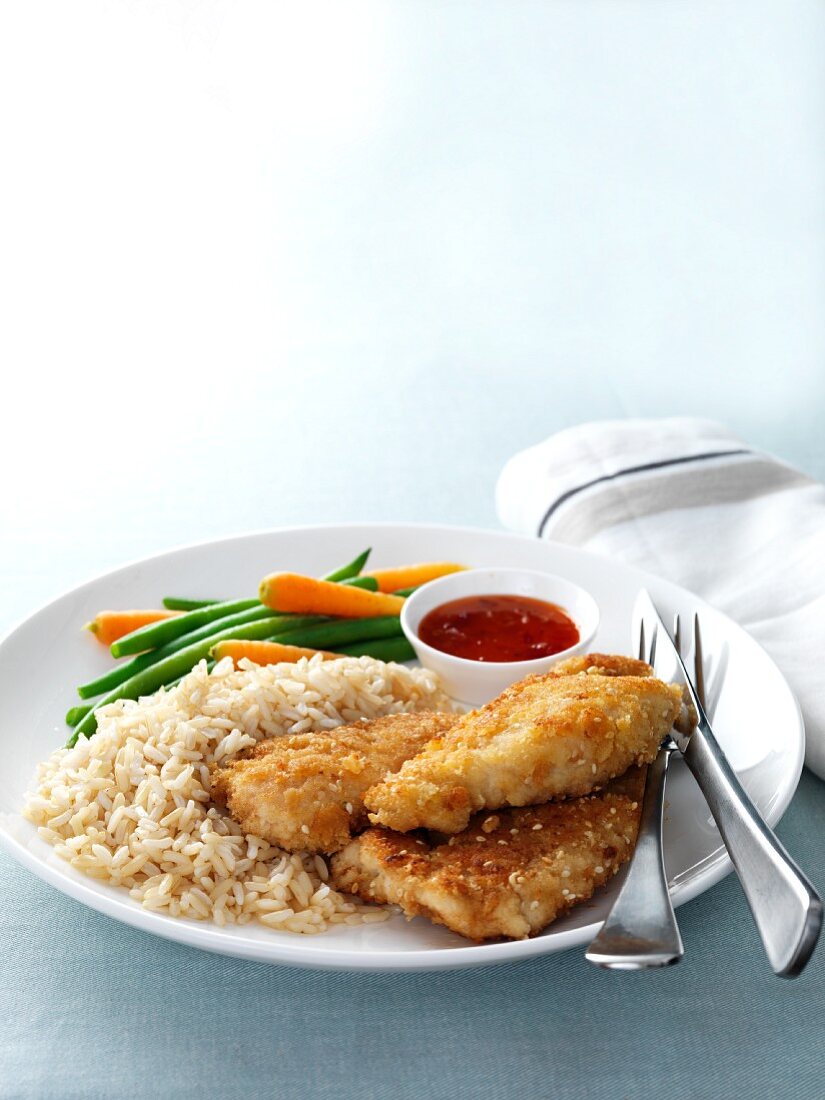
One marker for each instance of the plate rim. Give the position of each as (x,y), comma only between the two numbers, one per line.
(204,936)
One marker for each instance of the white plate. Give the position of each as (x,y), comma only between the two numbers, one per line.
(756,719)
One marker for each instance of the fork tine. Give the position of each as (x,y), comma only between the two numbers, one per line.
(652,656)
(641,640)
(677,633)
(698,662)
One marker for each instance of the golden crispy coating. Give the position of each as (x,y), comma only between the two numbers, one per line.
(550,736)
(306,791)
(510,873)
(602,664)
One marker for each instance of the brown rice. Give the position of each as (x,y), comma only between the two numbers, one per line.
(131,805)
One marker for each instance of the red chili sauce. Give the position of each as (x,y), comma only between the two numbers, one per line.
(498,628)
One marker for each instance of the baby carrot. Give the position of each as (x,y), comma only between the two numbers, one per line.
(291,592)
(108,626)
(410,576)
(263,653)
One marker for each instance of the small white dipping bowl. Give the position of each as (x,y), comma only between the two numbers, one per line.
(477,682)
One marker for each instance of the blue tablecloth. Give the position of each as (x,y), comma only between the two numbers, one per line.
(273,270)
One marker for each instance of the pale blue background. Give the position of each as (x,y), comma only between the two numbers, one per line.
(270,264)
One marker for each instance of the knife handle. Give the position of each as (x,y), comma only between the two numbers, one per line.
(785,906)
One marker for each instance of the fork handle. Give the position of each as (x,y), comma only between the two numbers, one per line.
(640,930)
(785,906)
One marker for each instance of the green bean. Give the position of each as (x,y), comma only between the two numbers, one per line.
(156,634)
(370,583)
(75,714)
(337,632)
(179,603)
(351,570)
(126,669)
(178,664)
(334,633)
(406,591)
(384,649)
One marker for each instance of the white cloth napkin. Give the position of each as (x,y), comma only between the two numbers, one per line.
(687,500)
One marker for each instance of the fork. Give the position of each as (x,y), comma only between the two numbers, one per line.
(640,931)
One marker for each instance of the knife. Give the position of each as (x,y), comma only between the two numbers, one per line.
(785,906)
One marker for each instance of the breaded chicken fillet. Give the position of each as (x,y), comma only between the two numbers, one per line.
(305,791)
(558,735)
(510,873)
